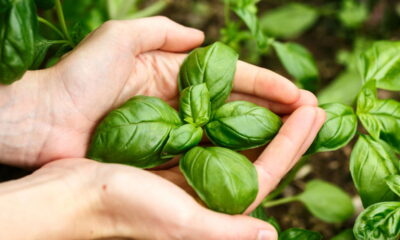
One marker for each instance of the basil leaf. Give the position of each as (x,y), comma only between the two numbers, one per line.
(299,234)
(241,125)
(225,180)
(353,13)
(195,105)
(381,118)
(380,221)
(339,128)
(371,161)
(381,62)
(327,202)
(4,5)
(345,235)
(214,65)
(135,133)
(42,45)
(18,28)
(181,139)
(45,4)
(299,63)
(394,183)
(260,214)
(289,20)
(247,11)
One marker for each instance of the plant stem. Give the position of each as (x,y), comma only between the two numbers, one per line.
(227,12)
(151,10)
(50,25)
(61,19)
(279,202)
(59,41)
(287,180)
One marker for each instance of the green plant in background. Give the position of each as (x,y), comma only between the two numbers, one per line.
(24,44)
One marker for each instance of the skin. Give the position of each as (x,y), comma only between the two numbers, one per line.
(47,117)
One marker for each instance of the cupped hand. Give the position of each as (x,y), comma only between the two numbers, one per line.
(119,60)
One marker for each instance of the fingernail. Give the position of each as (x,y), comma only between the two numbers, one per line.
(266,235)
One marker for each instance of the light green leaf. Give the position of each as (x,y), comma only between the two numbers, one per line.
(327,202)
(353,13)
(299,63)
(299,234)
(288,21)
(181,139)
(380,221)
(339,128)
(394,183)
(381,118)
(345,235)
(381,62)
(371,162)
(194,104)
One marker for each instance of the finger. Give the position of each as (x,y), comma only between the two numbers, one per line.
(306,98)
(215,226)
(263,83)
(153,33)
(279,156)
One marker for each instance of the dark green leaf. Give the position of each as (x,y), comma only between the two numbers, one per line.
(345,235)
(299,234)
(381,62)
(381,118)
(288,21)
(225,180)
(380,221)
(45,4)
(88,13)
(195,105)
(18,29)
(371,162)
(299,63)
(4,5)
(394,183)
(260,214)
(42,46)
(353,13)
(242,125)
(339,128)
(181,139)
(135,133)
(327,202)
(214,65)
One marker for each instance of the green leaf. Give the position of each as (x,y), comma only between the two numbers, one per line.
(195,107)
(394,183)
(181,139)
(371,162)
(135,133)
(260,214)
(381,62)
(299,234)
(381,118)
(18,29)
(247,11)
(289,20)
(353,13)
(299,63)
(327,202)
(214,65)
(88,13)
(45,4)
(41,47)
(339,128)
(345,235)
(380,221)
(225,180)
(241,125)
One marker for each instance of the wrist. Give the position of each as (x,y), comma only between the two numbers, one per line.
(25,120)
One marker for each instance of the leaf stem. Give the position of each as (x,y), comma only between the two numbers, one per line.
(287,180)
(50,25)
(61,19)
(279,201)
(151,10)
(227,12)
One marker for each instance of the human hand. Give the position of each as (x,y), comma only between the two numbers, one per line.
(58,108)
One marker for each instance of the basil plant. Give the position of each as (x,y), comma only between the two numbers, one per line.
(146,132)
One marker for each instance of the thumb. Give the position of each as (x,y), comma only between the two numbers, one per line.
(215,226)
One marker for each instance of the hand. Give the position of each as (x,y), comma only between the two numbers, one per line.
(50,114)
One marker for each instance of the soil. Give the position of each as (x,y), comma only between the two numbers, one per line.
(323,40)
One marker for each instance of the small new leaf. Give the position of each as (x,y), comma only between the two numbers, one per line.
(181,139)
(195,105)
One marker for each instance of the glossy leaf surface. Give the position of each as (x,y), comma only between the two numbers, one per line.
(181,139)
(195,105)
(225,180)
(242,125)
